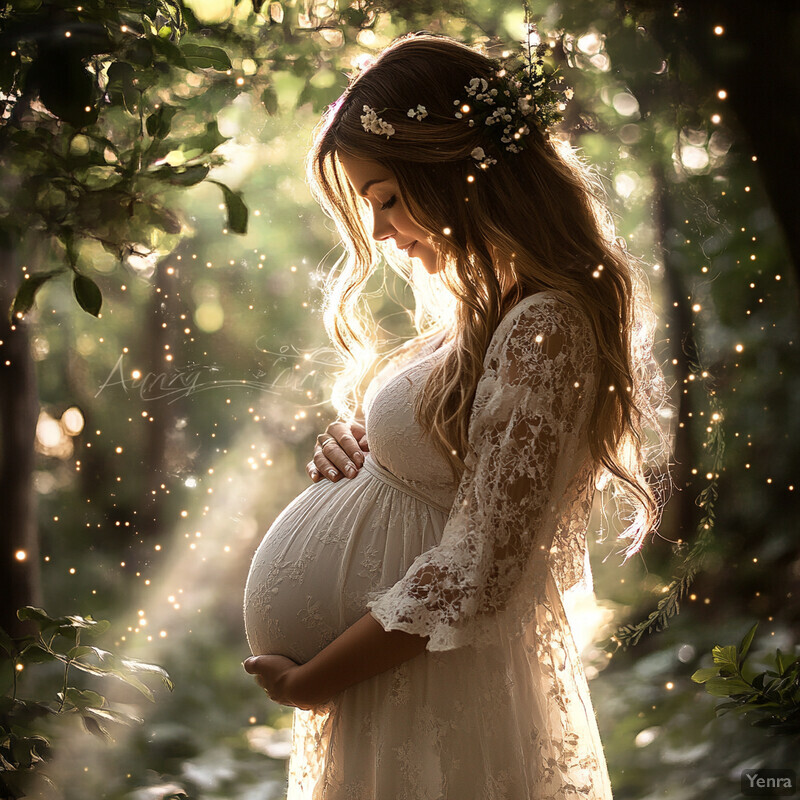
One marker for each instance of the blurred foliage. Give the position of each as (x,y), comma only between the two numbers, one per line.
(176,426)
(87,148)
(24,724)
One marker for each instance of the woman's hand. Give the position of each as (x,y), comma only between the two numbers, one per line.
(279,677)
(339,451)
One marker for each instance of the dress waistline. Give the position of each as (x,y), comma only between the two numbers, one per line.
(372,466)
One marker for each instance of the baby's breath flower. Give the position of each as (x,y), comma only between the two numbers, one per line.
(420,112)
(372,123)
(479,154)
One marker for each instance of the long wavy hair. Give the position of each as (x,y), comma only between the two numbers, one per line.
(534,221)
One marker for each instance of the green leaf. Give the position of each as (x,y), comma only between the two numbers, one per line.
(99,177)
(88,294)
(702,675)
(125,669)
(36,615)
(24,750)
(744,646)
(724,687)
(93,627)
(159,123)
(91,669)
(269,97)
(34,654)
(189,176)
(23,302)
(779,661)
(210,140)
(113,715)
(134,665)
(203,57)
(237,210)
(725,656)
(83,698)
(171,52)
(94,727)
(133,681)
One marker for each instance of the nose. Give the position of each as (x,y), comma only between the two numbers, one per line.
(381,227)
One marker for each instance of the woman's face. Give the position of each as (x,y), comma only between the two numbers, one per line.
(390,219)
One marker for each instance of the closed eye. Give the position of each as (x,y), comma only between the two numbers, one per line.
(389,203)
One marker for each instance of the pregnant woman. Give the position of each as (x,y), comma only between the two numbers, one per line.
(408,603)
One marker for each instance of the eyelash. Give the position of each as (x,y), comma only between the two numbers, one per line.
(389,203)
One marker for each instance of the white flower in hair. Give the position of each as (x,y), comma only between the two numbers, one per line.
(420,112)
(372,123)
(479,154)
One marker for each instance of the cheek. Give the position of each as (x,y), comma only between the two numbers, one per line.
(412,227)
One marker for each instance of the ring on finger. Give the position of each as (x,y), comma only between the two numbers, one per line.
(324,441)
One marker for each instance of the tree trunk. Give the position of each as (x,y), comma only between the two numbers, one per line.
(683,348)
(762,91)
(20,582)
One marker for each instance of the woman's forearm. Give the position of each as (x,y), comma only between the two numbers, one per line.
(363,650)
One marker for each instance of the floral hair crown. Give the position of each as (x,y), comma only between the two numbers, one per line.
(520,94)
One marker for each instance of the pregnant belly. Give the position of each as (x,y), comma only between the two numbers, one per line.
(332,546)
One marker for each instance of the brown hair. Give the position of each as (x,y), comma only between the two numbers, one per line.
(533,221)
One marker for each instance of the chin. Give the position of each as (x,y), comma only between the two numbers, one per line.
(428,261)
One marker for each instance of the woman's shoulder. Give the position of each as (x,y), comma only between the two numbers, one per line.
(542,314)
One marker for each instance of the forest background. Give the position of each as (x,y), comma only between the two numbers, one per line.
(158,242)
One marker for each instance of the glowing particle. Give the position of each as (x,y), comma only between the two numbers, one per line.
(446,231)
(20,555)
(719,30)
(722,94)
(716,119)
(739,348)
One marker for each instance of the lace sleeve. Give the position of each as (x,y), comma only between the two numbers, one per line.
(526,444)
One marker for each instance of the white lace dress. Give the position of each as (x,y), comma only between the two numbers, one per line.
(498,705)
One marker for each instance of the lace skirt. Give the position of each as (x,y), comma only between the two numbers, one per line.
(511,721)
